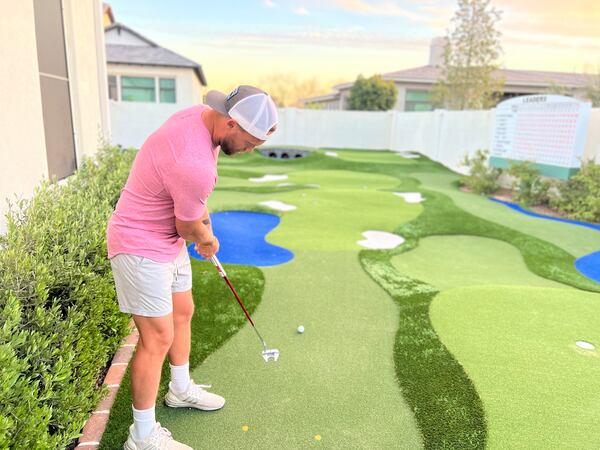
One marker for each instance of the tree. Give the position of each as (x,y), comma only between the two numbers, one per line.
(470,58)
(592,91)
(287,89)
(372,94)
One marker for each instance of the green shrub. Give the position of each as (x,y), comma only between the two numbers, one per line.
(59,321)
(482,178)
(530,188)
(579,197)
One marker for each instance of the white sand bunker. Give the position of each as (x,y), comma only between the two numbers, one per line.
(585,345)
(277,205)
(285,184)
(410,197)
(333,154)
(409,155)
(266,178)
(380,240)
(313,185)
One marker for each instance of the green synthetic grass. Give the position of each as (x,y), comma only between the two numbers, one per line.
(517,343)
(336,380)
(323,381)
(482,261)
(217,318)
(447,407)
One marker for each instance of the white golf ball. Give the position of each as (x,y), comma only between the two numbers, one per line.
(301,329)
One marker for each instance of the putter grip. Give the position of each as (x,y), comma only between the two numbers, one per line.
(218,265)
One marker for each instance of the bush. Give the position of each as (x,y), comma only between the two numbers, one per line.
(579,197)
(530,188)
(59,321)
(482,178)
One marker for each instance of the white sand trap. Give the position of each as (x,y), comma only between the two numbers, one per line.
(585,345)
(409,155)
(333,154)
(285,184)
(410,197)
(380,240)
(266,178)
(313,185)
(277,205)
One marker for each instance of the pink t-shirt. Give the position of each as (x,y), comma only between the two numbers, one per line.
(172,176)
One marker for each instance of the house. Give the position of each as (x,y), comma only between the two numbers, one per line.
(414,85)
(53,91)
(146,84)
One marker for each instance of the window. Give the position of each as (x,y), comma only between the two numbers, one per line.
(54,86)
(138,89)
(113,93)
(417,101)
(167,90)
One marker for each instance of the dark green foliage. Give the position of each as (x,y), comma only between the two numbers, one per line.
(579,197)
(216,319)
(530,188)
(482,179)
(59,321)
(372,94)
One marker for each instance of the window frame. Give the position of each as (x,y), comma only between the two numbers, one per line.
(157,89)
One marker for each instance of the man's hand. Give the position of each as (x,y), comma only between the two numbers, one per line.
(208,249)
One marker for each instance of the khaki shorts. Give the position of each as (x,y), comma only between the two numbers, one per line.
(145,287)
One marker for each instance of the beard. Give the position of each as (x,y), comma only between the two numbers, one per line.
(228,148)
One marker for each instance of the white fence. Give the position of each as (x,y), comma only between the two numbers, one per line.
(443,136)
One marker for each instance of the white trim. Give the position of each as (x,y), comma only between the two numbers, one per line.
(102,71)
(56,77)
(72,75)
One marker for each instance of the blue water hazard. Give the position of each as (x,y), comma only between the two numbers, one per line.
(588,265)
(241,237)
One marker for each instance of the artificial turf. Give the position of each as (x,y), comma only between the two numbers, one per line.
(365,374)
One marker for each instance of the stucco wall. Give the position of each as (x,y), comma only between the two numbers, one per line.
(23,160)
(22,145)
(132,122)
(87,74)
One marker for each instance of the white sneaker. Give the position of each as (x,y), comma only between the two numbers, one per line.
(194,397)
(160,439)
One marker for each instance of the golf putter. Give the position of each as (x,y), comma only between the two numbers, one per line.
(267,353)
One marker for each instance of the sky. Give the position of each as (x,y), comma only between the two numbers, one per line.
(333,41)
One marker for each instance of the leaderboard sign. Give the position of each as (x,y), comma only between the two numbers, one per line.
(548,130)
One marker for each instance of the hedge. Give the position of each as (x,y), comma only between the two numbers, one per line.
(59,320)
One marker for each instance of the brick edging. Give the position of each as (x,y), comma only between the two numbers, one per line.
(96,424)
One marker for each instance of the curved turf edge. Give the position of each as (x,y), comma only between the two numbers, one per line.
(443,398)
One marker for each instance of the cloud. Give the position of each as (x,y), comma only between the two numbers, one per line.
(381,8)
(301,11)
(270,3)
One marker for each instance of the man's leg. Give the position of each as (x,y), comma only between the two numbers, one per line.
(156,337)
(183,310)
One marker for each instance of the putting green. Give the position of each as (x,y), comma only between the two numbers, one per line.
(455,261)
(576,240)
(336,380)
(517,343)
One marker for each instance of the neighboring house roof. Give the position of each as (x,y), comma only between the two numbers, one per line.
(148,55)
(431,74)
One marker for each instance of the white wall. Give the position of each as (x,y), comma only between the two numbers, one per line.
(133,122)
(443,136)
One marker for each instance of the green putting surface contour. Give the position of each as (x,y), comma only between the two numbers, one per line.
(517,343)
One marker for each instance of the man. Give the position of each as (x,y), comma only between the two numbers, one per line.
(162,205)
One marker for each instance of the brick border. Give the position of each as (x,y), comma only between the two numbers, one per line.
(96,424)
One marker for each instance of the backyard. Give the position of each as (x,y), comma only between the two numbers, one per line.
(463,335)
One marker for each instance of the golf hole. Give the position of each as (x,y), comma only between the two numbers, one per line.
(284,153)
(585,345)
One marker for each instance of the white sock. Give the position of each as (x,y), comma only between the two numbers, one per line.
(143,423)
(180,377)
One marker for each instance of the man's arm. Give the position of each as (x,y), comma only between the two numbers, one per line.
(196,231)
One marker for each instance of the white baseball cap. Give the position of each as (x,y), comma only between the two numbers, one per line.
(253,109)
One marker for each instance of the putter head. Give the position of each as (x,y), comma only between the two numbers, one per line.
(270,354)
